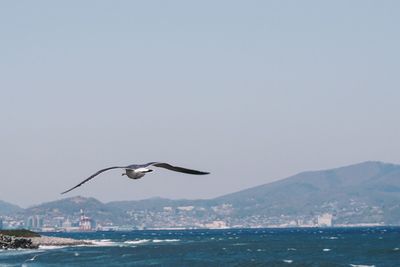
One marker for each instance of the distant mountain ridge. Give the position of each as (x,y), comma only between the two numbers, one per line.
(8,208)
(367,192)
(371,183)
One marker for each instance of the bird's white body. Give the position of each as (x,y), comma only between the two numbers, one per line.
(136,173)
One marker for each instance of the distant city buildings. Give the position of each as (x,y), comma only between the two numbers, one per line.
(190,217)
(34,222)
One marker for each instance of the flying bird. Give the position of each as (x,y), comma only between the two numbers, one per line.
(137,171)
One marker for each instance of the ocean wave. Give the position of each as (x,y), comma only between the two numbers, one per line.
(13,252)
(361,265)
(47,247)
(165,240)
(102,243)
(330,237)
(135,242)
(288,261)
(239,244)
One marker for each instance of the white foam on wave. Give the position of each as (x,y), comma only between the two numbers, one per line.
(165,240)
(102,243)
(330,237)
(326,249)
(140,241)
(239,244)
(287,261)
(361,265)
(47,247)
(33,258)
(291,249)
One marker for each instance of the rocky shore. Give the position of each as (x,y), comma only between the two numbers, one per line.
(12,242)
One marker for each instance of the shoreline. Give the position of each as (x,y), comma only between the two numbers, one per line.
(58,241)
(36,242)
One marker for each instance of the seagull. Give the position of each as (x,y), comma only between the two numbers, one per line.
(137,171)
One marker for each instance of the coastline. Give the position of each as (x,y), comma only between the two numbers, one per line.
(23,239)
(57,241)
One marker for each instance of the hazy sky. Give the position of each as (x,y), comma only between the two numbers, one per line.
(252,91)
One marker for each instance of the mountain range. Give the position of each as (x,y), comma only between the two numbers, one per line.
(367,192)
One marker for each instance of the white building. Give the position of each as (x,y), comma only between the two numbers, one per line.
(216,225)
(34,222)
(85,223)
(325,220)
(186,208)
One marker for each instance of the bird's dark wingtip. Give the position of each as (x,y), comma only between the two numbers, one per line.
(62,193)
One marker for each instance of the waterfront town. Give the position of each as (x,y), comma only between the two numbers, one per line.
(168,218)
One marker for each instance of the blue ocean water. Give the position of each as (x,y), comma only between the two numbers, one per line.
(231,247)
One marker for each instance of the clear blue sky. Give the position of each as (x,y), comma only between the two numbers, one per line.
(252,91)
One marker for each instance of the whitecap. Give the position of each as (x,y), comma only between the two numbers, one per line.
(326,249)
(330,237)
(361,265)
(239,244)
(396,249)
(165,240)
(140,241)
(291,249)
(47,247)
(288,261)
(102,243)
(33,258)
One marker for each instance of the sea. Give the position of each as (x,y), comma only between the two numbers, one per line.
(354,247)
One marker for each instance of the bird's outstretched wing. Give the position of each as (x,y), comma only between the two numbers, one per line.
(177,169)
(92,176)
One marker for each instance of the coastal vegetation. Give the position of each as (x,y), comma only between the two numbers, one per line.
(19,233)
